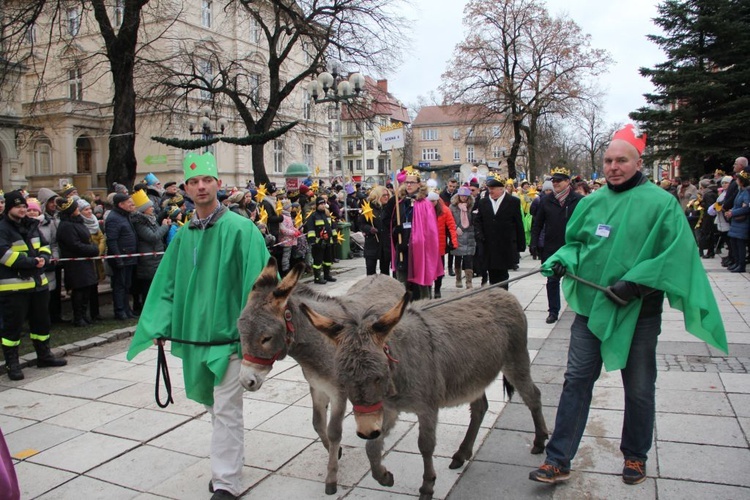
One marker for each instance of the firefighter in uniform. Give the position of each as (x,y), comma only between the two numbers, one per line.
(320,235)
(23,285)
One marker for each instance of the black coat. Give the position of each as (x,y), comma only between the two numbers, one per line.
(551,219)
(500,234)
(151,238)
(121,238)
(75,241)
(378,243)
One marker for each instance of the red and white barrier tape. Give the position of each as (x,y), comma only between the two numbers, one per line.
(101,257)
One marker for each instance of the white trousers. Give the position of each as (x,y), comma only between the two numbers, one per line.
(228,436)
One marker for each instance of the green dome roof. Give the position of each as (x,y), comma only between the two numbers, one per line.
(297,170)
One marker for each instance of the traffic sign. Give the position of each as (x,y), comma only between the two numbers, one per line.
(155,159)
(423,164)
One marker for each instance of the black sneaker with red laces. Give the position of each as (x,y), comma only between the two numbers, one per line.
(550,474)
(634,471)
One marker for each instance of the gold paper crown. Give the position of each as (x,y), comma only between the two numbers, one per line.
(561,171)
(744,175)
(65,205)
(68,187)
(410,170)
(719,172)
(140,198)
(510,182)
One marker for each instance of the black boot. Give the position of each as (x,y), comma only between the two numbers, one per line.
(327,274)
(319,280)
(44,356)
(79,308)
(438,286)
(11,363)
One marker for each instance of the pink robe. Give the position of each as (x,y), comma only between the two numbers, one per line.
(424,251)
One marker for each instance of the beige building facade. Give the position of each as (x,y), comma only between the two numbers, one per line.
(58,131)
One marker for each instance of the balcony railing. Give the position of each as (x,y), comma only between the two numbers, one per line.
(477,140)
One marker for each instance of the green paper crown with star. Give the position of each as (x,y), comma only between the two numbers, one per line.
(196,165)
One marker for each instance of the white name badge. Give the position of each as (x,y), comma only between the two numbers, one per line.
(407,225)
(603,230)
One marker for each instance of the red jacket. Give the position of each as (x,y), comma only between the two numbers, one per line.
(446,225)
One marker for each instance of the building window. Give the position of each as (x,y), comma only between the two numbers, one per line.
(306,106)
(254,82)
(359,165)
(206,11)
(206,72)
(307,52)
(429,154)
(469,132)
(369,144)
(429,134)
(496,131)
(30,35)
(74,21)
(368,125)
(43,157)
(350,147)
(119,12)
(75,85)
(359,144)
(307,154)
(456,133)
(469,153)
(278,156)
(332,113)
(381,165)
(351,128)
(350,165)
(254,30)
(497,151)
(370,164)
(457,154)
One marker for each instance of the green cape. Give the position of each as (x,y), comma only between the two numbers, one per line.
(198,293)
(650,243)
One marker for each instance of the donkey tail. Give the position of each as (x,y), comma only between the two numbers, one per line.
(508,388)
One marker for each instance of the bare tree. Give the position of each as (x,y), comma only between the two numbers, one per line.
(520,61)
(592,134)
(300,38)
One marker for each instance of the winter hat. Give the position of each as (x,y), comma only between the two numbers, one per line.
(319,200)
(14,199)
(67,205)
(68,189)
(142,201)
(46,194)
(495,182)
(704,183)
(286,205)
(547,186)
(433,196)
(119,198)
(303,189)
(431,183)
(119,188)
(726,179)
(83,204)
(173,212)
(170,184)
(33,204)
(463,191)
(236,197)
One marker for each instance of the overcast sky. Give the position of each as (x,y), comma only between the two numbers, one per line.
(619,27)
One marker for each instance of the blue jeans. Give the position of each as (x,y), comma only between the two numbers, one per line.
(121,280)
(584,367)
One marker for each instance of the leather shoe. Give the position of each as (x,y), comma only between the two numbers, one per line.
(222,495)
(451,272)
(551,319)
(131,314)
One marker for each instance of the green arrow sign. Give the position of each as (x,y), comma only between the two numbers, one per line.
(156,159)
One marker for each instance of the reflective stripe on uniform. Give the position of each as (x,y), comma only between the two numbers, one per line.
(9,258)
(12,284)
(320,222)
(40,338)
(327,264)
(316,267)
(36,243)
(45,250)
(11,343)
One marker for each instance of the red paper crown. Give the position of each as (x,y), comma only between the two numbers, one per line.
(629,133)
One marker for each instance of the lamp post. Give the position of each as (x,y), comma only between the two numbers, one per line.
(204,125)
(335,87)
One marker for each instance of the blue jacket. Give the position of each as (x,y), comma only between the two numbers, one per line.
(121,238)
(740,229)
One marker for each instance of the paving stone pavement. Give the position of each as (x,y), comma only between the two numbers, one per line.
(92,429)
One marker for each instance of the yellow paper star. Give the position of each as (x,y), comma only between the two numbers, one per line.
(314,186)
(340,238)
(367,211)
(262,192)
(262,215)
(298,220)
(317,170)
(279,207)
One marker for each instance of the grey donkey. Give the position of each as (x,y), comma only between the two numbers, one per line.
(418,362)
(271,327)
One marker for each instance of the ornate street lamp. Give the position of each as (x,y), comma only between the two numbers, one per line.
(205,127)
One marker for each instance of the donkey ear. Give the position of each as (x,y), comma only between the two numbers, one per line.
(286,287)
(269,276)
(324,325)
(383,326)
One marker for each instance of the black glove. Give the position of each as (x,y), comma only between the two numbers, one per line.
(558,270)
(624,290)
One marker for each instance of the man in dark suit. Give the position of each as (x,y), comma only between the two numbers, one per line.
(499,230)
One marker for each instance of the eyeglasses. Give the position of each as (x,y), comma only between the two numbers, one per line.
(411,182)
(558,180)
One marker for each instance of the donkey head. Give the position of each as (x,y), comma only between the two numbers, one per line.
(362,363)
(262,325)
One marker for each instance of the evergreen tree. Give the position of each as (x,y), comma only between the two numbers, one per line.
(701,108)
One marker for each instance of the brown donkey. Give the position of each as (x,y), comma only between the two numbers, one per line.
(407,360)
(271,328)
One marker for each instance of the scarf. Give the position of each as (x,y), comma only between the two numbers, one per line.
(92,224)
(562,195)
(464,215)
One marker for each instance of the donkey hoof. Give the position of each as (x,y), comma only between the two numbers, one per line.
(425,496)
(537,449)
(456,463)
(331,488)
(387,479)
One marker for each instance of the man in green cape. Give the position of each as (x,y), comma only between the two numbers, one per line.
(197,295)
(633,237)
